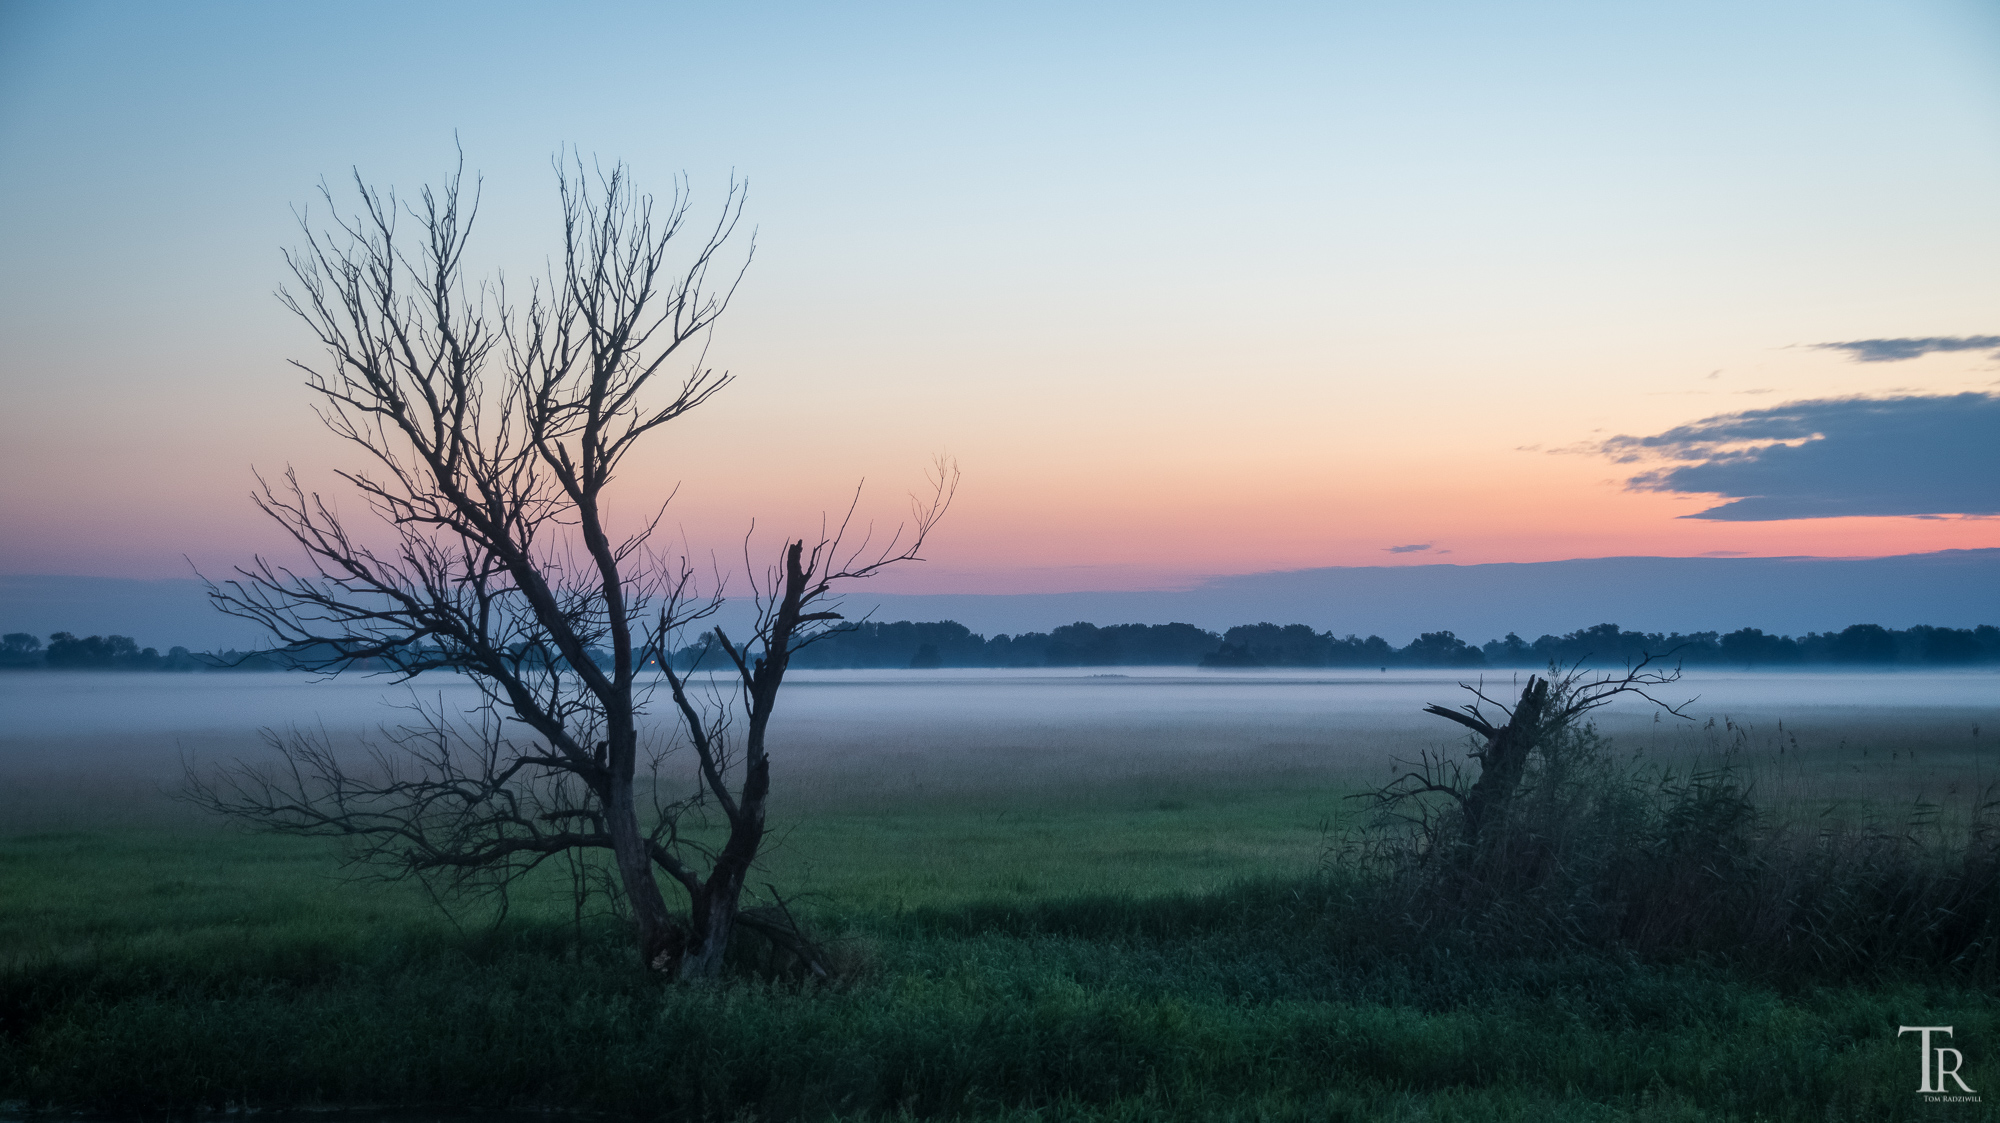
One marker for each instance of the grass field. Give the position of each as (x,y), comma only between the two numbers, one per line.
(1061,939)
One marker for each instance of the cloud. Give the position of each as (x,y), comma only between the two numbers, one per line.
(1830,458)
(1896,350)
(1406,549)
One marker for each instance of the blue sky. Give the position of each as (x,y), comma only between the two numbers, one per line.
(1187,290)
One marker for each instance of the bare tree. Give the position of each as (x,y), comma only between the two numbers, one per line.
(1512,733)
(490,436)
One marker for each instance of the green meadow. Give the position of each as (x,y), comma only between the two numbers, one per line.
(1169,935)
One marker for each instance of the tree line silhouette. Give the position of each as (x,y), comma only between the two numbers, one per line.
(1248,646)
(874,645)
(67,652)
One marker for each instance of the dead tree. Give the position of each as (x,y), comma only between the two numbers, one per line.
(490,436)
(1512,733)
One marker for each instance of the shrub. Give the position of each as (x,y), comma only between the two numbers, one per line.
(1618,854)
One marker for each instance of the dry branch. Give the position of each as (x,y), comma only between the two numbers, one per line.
(488,436)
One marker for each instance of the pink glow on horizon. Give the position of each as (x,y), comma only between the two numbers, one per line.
(1182,297)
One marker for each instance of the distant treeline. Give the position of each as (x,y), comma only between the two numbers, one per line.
(948,644)
(21,651)
(904,644)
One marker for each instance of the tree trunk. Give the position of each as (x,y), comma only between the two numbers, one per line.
(719,902)
(715,908)
(714,925)
(661,937)
(1505,759)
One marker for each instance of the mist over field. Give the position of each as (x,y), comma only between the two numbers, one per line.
(900,737)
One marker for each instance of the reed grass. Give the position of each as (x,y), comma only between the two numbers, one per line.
(1147,948)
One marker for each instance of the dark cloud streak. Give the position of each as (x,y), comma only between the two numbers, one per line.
(1897,350)
(1832,458)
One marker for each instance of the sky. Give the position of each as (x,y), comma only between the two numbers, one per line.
(1184,290)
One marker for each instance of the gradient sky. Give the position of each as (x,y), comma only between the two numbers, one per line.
(1185,290)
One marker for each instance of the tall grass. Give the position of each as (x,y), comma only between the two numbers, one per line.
(1643,943)
(1618,854)
(1266,1001)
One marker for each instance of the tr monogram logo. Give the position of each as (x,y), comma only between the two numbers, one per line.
(1932,1063)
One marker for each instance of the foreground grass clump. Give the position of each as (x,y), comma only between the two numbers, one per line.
(1032,964)
(1613,854)
(1076,1010)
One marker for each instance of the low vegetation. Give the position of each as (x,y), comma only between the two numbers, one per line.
(1606,855)
(1689,942)
(945,643)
